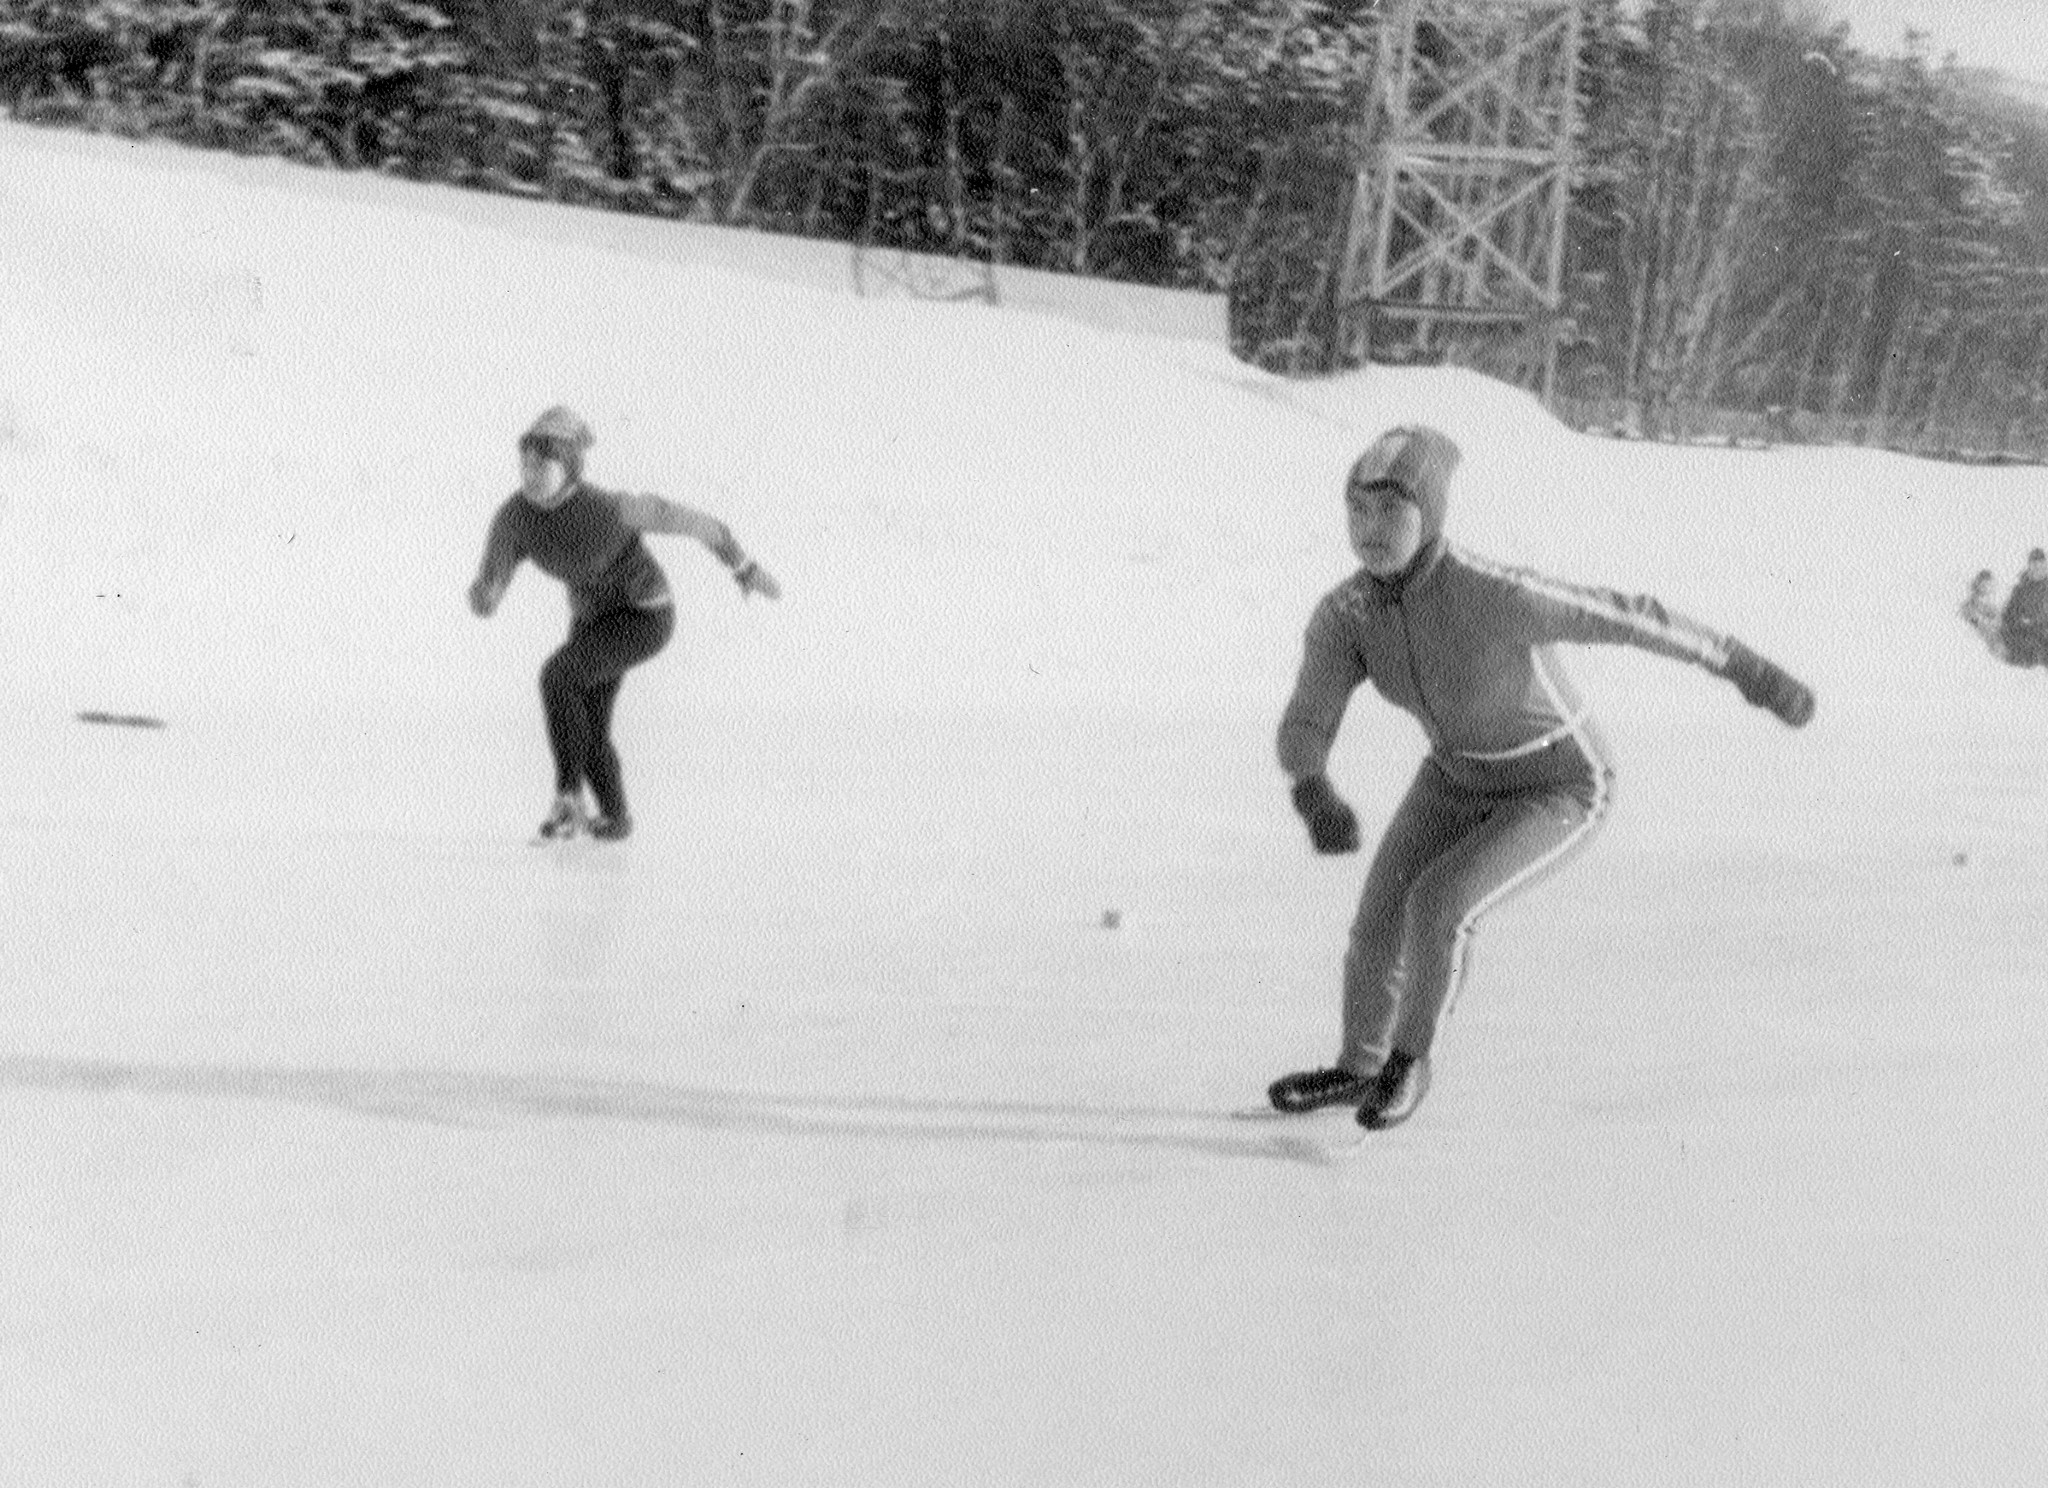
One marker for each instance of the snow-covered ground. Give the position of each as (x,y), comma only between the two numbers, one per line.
(823,1134)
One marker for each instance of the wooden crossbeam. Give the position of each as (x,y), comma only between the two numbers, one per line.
(1469,228)
(1436,310)
(1487,78)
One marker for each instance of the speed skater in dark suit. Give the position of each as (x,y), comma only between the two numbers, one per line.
(621,611)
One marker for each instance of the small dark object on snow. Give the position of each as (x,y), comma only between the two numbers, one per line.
(121,720)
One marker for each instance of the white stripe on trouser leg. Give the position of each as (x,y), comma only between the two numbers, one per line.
(1462,936)
(1596,812)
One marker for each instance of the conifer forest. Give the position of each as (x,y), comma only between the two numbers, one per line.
(1768,219)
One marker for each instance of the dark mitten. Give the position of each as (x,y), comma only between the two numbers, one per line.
(1332,826)
(1765,684)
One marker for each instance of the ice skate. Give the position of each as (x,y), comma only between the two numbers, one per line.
(565,820)
(1396,1092)
(1311,1090)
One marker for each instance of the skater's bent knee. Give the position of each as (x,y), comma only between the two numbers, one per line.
(1442,920)
(560,673)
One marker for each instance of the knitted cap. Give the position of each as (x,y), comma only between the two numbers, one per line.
(561,433)
(1418,459)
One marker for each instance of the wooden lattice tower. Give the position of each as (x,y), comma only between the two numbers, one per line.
(1457,238)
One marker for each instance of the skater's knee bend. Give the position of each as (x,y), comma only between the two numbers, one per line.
(562,674)
(1443,916)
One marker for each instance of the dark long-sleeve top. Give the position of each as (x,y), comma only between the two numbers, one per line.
(1466,646)
(592,542)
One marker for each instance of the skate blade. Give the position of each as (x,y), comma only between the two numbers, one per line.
(1320,1137)
(1270,1113)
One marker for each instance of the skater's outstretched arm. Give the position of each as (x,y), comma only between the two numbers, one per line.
(1331,670)
(1764,684)
(503,553)
(659,514)
(1550,610)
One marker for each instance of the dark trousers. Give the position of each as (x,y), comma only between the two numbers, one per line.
(579,686)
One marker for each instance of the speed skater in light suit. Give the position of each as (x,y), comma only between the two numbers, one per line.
(1516,777)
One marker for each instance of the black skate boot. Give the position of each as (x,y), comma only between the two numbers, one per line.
(1395,1092)
(614,828)
(1311,1090)
(565,819)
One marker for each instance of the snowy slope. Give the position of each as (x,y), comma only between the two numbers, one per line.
(821,1134)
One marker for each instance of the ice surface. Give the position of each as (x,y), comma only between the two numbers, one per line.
(822,1133)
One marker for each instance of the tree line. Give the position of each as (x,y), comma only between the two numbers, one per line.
(1766,216)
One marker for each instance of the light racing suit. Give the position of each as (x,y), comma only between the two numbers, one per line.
(1516,776)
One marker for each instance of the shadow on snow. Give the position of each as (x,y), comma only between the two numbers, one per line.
(478,1099)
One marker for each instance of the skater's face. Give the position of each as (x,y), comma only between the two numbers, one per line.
(1386,526)
(543,480)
